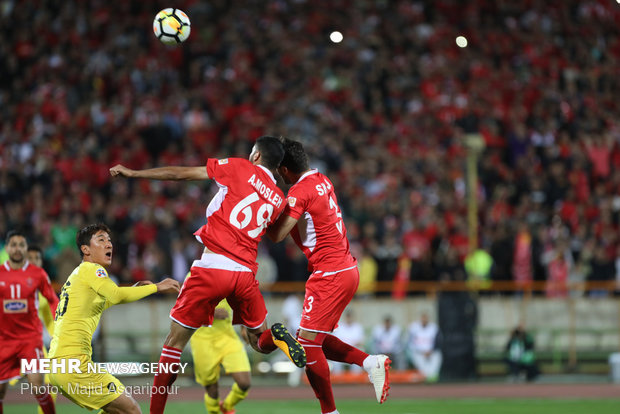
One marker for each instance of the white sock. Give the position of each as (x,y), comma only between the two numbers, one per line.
(369,362)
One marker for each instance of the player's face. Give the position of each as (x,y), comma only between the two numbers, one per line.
(35,258)
(100,248)
(283,171)
(17,248)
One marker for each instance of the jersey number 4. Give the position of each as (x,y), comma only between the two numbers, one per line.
(241,215)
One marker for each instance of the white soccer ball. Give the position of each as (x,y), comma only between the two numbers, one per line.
(171,26)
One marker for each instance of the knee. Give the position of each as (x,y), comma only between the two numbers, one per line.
(253,340)
(244,384)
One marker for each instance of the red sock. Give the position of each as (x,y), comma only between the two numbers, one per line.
(317,371)
(163,379)
(265,342)
(45,402)
(336,350)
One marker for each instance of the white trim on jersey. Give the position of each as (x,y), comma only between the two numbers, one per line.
(6,264)
(4,381)
(270,174)
(217,200)
(314,330)
(257,326)
(318,272)
(182,324)
(307,232)
(218,261)
(307,173)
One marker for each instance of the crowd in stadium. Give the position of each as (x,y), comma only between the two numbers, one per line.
(384,114)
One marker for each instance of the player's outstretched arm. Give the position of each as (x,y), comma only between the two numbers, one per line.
(162,173)
(168,285)
(115,294)
(281,228)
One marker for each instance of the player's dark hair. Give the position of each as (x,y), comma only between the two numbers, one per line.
(295,158)
(34,248)
(271,151)
(14,233)
(85,234)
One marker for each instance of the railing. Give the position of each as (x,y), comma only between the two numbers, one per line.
(466,286)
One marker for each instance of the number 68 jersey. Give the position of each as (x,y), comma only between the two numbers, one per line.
(247,202)
(19,296)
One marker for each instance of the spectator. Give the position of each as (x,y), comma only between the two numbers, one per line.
(399,99)
(386,339)
(602,269)
(520,355)
(368,274)
(478,266)
(424,347)
(351,332)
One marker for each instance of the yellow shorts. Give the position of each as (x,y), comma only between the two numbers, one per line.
(208,354)
(89,390)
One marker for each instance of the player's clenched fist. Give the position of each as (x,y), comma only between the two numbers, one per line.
(120,170)
(168,286)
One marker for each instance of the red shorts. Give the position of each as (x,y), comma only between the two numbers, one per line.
(11,354)
(205,288)
(327,295)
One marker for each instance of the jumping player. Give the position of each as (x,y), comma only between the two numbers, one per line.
(21,331)
(217,345)
(247,202)
(84,296)
(313,218)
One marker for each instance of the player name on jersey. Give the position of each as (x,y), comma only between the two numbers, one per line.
(265,191)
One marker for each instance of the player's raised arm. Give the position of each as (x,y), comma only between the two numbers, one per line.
(115,294)
(281,228)
(162,173)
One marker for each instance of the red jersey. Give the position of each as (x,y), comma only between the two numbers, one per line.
(247,202)
(320,231)
(19,293)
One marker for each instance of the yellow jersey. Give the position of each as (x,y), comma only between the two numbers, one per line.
(221,328)
(84,296)
(46,314)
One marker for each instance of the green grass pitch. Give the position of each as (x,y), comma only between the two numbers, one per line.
(449,406)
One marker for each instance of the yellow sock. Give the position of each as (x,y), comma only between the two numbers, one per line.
(234,397)
(212,404)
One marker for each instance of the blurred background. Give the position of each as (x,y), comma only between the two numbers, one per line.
(479,179)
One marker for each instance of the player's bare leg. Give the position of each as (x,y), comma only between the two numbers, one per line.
(212,398)
(41,394)
(124,404)
(176,340)
(266,340)
(238,392)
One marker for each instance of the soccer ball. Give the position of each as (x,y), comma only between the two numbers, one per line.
(171,26)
